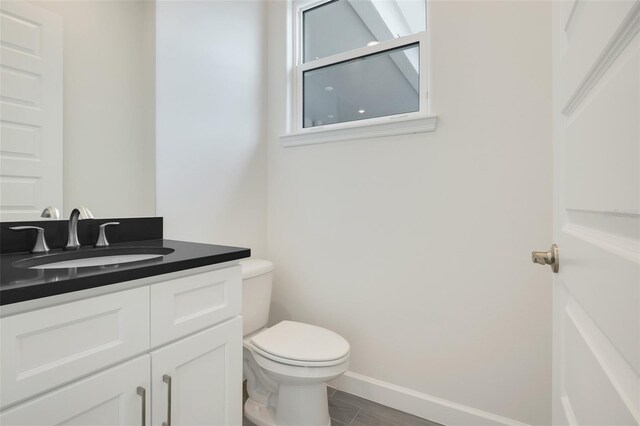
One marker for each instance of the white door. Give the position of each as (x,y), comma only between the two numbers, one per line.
(30,110)
(596,360)
(197,380)
(112,397)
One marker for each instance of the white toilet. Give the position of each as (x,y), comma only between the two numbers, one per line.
(288,365)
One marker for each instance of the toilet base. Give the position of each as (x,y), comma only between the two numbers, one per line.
(298,405)
(258,414)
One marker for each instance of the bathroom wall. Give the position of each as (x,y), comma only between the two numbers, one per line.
(109,106)
(416,248)
(210,89)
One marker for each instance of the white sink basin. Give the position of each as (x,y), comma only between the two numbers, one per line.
(94,258)
(97,261)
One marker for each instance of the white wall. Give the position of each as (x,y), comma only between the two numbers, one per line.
(417,248)
(109,98)
(211,155)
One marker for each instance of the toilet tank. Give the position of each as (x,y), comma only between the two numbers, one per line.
(257,279)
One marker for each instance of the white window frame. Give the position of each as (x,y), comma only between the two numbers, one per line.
(414,122)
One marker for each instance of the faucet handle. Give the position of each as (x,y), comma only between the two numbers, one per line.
(102,236)
(41,243)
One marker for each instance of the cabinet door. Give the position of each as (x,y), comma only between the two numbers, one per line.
(107,398)
(198,380)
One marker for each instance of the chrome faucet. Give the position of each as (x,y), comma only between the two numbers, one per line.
(51,212)
(79,213)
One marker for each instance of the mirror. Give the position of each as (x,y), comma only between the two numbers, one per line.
(77,110)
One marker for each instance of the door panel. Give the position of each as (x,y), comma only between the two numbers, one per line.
(596,360)
(594,398)
(588,28)
(107,398)
(606,285)
(200,368)
(30,110)
(602,142)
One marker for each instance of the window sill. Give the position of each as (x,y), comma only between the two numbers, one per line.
(353,131)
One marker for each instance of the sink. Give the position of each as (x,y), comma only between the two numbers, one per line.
(93,258)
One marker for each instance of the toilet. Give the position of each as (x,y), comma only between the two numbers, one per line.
(287,366)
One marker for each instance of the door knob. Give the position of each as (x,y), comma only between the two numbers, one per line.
(551,258)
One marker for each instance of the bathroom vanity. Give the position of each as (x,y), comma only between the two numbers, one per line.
(156,341)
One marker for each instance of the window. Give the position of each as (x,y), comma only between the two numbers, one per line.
(359,63)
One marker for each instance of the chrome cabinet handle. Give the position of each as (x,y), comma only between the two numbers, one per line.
(40,245)
(102,236)
(143,393)
(167,379)
(551,258)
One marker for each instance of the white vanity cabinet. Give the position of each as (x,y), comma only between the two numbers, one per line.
(164,350)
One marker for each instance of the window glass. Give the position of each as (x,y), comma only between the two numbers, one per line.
(342,25)
(385,83)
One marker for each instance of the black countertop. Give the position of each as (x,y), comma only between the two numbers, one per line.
(19,284)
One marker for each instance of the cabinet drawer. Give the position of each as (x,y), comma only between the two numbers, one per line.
(46,348)
(185,305)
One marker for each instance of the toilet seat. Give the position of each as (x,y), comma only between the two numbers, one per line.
(298,344)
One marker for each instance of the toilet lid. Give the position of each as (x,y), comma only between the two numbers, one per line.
(301,342)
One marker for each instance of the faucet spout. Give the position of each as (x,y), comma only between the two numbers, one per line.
(51,212)
(72,239)
(82,213)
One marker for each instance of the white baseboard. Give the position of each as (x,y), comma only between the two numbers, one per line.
(416,403)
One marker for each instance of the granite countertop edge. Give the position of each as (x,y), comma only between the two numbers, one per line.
(20,284)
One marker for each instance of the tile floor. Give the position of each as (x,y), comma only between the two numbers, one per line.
(350,410)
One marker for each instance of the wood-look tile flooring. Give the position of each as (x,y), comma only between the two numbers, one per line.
(349,410)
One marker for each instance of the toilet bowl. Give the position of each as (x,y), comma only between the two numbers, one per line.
(287,365)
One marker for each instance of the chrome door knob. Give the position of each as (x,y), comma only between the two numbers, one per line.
(551,258)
